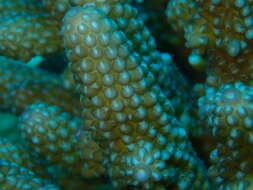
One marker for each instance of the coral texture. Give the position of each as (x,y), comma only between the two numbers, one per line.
(126,112)
(219,34)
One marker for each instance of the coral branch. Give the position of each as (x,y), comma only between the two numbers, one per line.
(123,106)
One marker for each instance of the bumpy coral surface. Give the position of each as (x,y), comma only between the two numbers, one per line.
(22,85)
(228,112)
(220,32)
(26,31)
(16,171)
(13,73)
(14,177)
(55,134)
(121,100)
(126,113)
(25,35)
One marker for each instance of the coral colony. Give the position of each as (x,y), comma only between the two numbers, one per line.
(152,94)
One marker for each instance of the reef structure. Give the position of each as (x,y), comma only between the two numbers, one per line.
(219,35)
(123,115)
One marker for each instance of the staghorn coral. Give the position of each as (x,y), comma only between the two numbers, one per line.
(55,135)
(21,85)
(22,167)
(25,31)
(16,169)
(138,124)
(12,73)
(228,113)
(30,92)
(160,64)
(15,154)
(219,34)
(42,37)
(14,177)
(120,101)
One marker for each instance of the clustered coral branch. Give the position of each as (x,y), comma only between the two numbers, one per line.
(124,115)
